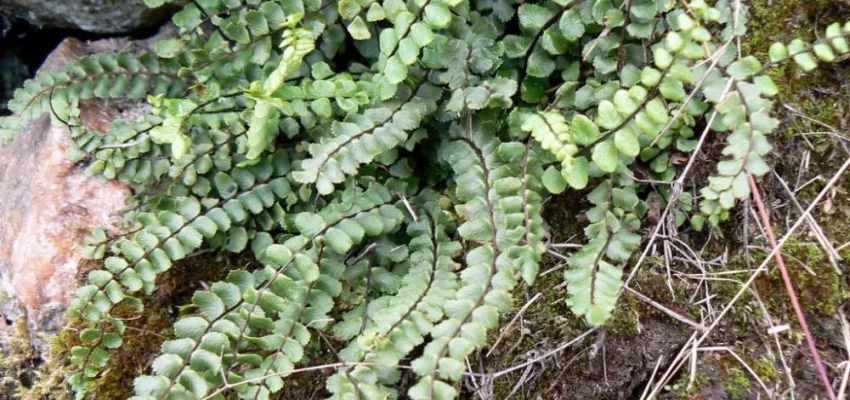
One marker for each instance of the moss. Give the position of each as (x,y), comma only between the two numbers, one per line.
(626,321)
(26,374)
(780,20)
(737,383)
(547,320)
(719,375)
(766,370)
(56,368)
(820,293)
(145,334)
(563,220)
(142,341)
(18,358)
(626,318)
(845,252)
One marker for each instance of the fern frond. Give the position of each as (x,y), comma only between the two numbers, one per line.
(104,76)
(491,200)
(400,45)
(521,202)
(490,94)
(361,140)
(243,312)
(593,278)
(166,236)
(396,324)
(741,94)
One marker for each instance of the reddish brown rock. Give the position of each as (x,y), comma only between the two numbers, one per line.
(48,207)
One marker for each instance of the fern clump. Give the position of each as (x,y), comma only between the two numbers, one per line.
(386,164)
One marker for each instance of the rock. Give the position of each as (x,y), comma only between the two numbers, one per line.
(13,73)
(49,206)
(96,16)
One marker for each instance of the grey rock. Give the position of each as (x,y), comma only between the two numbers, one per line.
(96,16)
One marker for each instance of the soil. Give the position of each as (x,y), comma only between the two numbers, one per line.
(622,370)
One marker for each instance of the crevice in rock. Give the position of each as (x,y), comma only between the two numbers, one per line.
(24,47)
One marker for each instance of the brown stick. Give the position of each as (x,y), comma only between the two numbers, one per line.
(789,286)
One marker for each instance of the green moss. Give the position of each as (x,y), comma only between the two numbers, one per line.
(547,320)
(845,253)
(737,383)
(820,96)
(26,374)
(630,309)
(564,222)
(54,371)
(144,336)
(766,370)
(16,358)
(626,318)
(780,20)
(821,293)
(142,341)
(811,251)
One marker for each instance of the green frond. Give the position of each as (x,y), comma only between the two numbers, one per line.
(385,165)
(171,233)
(105,76)
(270,310)
(363,138)
(491,204)
(594,276)
(741,94)
(412,30)
(396,324)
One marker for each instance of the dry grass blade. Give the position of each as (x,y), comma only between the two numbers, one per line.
(546,355)
(789,286)
(830,251)
(511,324)
(677,362)
(845,332)
(665,310)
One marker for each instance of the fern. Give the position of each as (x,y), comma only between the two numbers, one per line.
(270,309)
(386,164)
(359,141)
(122,75)
(395,324)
